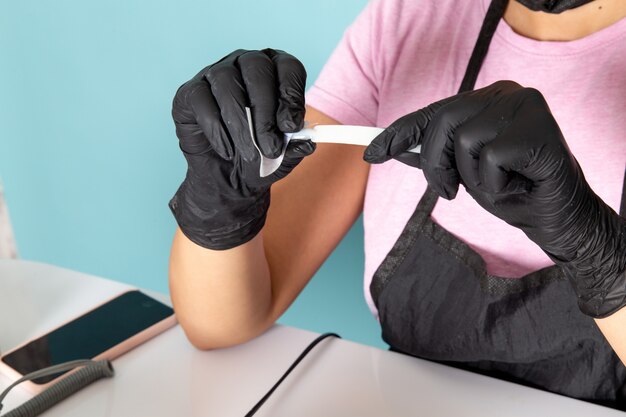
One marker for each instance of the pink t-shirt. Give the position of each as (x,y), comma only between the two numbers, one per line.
(400,55)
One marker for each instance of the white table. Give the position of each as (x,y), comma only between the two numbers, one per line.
(168,377)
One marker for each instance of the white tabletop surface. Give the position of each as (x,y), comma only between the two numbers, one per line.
(168,377)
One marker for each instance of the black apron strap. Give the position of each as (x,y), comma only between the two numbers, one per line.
(492,19)
(622,209)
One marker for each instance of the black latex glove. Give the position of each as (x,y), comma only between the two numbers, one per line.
(503,144)
(223,201)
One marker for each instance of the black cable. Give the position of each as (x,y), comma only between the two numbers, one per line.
(291,368)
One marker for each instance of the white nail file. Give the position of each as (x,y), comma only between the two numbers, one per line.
(345,134)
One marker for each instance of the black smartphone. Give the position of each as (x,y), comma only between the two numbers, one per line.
(105,332)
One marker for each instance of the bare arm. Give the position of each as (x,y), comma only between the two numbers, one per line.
(227,297)
(614,329)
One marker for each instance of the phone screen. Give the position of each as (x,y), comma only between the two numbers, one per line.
(90,334)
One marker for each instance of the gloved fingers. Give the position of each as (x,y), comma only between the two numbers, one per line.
(403,134)
(463,127)
(208,128)
(296,151)
(469,140)
(291,77)
(190,136)
(540,151)
(411,159)
(228,88)
(505,206)
(438,154)
(258,73)
(502,166)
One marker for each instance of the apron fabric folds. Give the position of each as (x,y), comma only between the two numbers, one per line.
(436,301)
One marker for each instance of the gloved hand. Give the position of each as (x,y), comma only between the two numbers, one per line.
(503,144)
(223,201)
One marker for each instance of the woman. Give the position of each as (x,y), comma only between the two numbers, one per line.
(440,277)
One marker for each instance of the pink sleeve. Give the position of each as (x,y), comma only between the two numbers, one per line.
(347,87)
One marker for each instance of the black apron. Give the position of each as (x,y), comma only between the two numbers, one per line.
(436,301)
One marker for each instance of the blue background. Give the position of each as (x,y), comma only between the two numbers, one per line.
(88,154)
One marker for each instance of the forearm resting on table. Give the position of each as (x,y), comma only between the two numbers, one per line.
(221,298)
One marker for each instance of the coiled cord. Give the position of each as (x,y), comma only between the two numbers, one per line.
(91,372)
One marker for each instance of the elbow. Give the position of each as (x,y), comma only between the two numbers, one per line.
(206,344)
(206,341)
(204,334)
